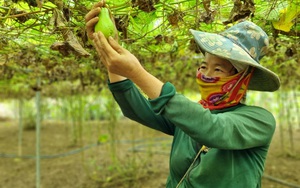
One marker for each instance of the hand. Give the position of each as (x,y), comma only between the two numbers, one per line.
(92,18)
(121,62)
(117,59)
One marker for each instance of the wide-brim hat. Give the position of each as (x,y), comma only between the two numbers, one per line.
(242,44)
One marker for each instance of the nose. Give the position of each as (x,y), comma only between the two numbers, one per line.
(206,72)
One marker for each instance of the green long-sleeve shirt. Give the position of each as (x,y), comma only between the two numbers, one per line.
(238,137)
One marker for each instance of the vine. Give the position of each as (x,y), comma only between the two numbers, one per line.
(48,39)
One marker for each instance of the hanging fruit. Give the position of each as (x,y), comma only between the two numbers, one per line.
(105,23)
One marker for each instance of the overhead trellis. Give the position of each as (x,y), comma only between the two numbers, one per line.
(47,39)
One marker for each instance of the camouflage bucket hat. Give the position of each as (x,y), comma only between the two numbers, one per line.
(243,44)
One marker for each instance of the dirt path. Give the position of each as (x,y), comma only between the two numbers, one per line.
(142,163)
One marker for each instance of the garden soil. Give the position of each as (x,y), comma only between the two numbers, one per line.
(119,154)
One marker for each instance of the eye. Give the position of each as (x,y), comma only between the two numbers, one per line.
(218,70)
(202,67)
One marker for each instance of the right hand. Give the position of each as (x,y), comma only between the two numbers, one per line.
(115,58)
(123,64)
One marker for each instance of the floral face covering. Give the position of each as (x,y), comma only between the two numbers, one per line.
(218,93)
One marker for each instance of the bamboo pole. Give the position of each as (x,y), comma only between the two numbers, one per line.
(290,123)
(296,103)
(38,129)
(20,135)
(282,117)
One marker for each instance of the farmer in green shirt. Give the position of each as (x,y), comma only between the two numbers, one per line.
(218,142)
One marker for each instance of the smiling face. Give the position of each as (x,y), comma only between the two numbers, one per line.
(214,66)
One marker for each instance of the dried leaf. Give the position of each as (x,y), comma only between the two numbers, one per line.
(71,44)
(2,59)
(241,10)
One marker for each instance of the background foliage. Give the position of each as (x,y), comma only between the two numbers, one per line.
(44,47)
(46,40)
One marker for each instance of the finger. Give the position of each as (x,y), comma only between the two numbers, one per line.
(99,48)
(115,45)
(99,4)
(106,47)
(90,27)
(91,20)
(103,60)
(102,57)
(94,11)
(92,14)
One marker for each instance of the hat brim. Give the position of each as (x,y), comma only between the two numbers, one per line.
(263,79)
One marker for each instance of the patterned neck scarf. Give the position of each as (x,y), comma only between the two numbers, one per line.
(218,93)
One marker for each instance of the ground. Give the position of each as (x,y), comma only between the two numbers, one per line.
(137,158)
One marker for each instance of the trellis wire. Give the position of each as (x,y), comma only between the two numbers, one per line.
(137,148)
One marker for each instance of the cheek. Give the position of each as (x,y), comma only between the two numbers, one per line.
(227,74)
(198,73)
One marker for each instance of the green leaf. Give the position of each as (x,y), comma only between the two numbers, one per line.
(103,138)
(286,17)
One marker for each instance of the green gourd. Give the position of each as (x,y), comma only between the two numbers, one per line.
(105,24)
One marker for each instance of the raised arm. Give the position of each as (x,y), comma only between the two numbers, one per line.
(120,61)
(91,20)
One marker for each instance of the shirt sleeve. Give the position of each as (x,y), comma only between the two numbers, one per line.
(237,128)
(136,107)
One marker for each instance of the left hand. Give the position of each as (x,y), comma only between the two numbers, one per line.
(91,19)
(117,59)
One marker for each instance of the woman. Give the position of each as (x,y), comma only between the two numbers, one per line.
(218,142)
